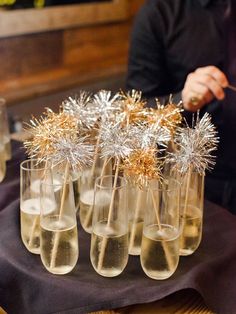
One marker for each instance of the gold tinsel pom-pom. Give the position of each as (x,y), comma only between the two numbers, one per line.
(142,166)
(48,129)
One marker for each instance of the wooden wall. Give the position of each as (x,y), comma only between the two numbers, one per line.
(42,63)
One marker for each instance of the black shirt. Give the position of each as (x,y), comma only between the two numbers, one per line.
(170,39)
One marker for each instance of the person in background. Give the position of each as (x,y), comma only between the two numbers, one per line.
(187,48)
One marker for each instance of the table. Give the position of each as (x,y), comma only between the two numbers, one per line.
(26,287)
(183,302)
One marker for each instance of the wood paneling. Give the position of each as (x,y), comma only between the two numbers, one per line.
(52,81)
(24,55)
(61,17)
(97,46)
(42,63)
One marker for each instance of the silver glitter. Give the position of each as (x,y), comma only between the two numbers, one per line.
(146,136)
(78,153)
(81,108)
(106,105)
(92,110)
(115,142)
(195,146)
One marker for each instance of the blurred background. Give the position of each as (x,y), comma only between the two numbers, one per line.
(51,49)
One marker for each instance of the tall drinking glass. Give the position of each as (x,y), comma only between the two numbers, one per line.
(161,230)
(137,198)
(87,183)
(5,129)
(31,172)
(59,237)
(109,241)
(192,199)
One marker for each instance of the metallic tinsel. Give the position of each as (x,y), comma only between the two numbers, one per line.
(146,136)
(115,141)
(77,152)
(195,146)
(168,116)
(91,110)
(46,130)
(105,105)
(132,108)
(81,107)
(142,166)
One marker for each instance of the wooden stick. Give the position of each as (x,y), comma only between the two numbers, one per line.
(202,192)
(95,155)
(113,193)
(187,191)
(105,239)
(189,173)
(165,247)
(90,211)
(33,230)
(57,235)
(136,215)
(64,191)
(231,87)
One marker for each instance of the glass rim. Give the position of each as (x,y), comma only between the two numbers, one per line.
(163,188)
(26,161)
(45,183)
(194,170)
(102,186)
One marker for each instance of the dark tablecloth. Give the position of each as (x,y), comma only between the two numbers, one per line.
(26,287)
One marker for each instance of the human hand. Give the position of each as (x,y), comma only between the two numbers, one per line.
(202,86)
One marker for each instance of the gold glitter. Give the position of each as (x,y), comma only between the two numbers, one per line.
(133,107)
(47,130)
(168,116)
(142,166)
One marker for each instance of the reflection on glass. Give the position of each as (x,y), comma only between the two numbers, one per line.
(31,172)
(109,241)
(192,196)
(59,237)
(161,231)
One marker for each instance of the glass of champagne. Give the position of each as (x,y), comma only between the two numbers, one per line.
(86,187)
(59,236)
(161,230)
(31,172)
(109,241)
(192,200)
(5,129)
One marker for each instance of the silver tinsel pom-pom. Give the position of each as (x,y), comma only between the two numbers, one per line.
(115,142)
(82,109)
(78,153)
(145,136)
(195,146)
(105,105)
